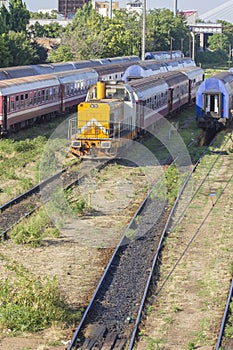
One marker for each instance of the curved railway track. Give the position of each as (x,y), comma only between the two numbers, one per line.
(112,317)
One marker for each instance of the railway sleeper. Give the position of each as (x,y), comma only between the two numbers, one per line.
(100,338)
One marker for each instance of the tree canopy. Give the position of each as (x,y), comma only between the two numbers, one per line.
(90,35)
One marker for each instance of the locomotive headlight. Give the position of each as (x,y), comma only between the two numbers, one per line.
(105,144)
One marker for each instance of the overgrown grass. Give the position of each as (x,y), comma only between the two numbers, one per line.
(30,303)
(167,188)
(34,229)
(20,157)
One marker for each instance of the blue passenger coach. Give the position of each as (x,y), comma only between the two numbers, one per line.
(214,102)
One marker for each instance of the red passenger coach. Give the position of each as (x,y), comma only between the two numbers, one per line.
(27,98)
(24,100)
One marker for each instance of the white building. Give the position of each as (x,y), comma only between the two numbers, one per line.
(134,6)
(49,11)
(103,7)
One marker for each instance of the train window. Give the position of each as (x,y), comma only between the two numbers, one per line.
(12,103)
(54,93)
(17,101)
(8,104)
(39,97)
(35,98)
(50,92)
(47,94)
(42,95)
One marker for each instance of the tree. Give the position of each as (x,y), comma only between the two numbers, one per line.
(218,41)
(21,49)
(162,25)
(122,34)
(4,20)
(19,16)
(52,30)
(5,57)
(83,38)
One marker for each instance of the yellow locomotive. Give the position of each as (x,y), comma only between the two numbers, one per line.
(105,120)
(115,112)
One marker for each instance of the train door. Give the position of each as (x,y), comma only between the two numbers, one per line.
(170,99)
(213,105)
(4,124)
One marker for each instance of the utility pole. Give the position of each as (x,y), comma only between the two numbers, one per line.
(193,49)
(181,44)
(110,10)
(143,30)
(171,40)
(175,8)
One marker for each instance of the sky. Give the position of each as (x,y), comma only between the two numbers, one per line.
(201,6)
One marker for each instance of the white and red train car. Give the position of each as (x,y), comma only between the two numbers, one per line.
(114,111)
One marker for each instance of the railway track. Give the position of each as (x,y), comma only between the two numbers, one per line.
(23,205)
(113,315)
(110,318)
(215,185)
(17,209)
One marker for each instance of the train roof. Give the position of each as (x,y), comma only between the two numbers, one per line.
(16,72)
(160,55)
(192,72)
(172,78)
(145,87)
(14,86)
(53,67)
(143,69)
(221,82)
(114,68)
(77,75)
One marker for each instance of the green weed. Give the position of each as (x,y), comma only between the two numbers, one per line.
(29,303)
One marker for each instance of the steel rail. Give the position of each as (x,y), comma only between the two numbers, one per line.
(224,319)
(33,190)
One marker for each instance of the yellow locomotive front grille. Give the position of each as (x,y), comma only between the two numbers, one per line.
(93,120)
